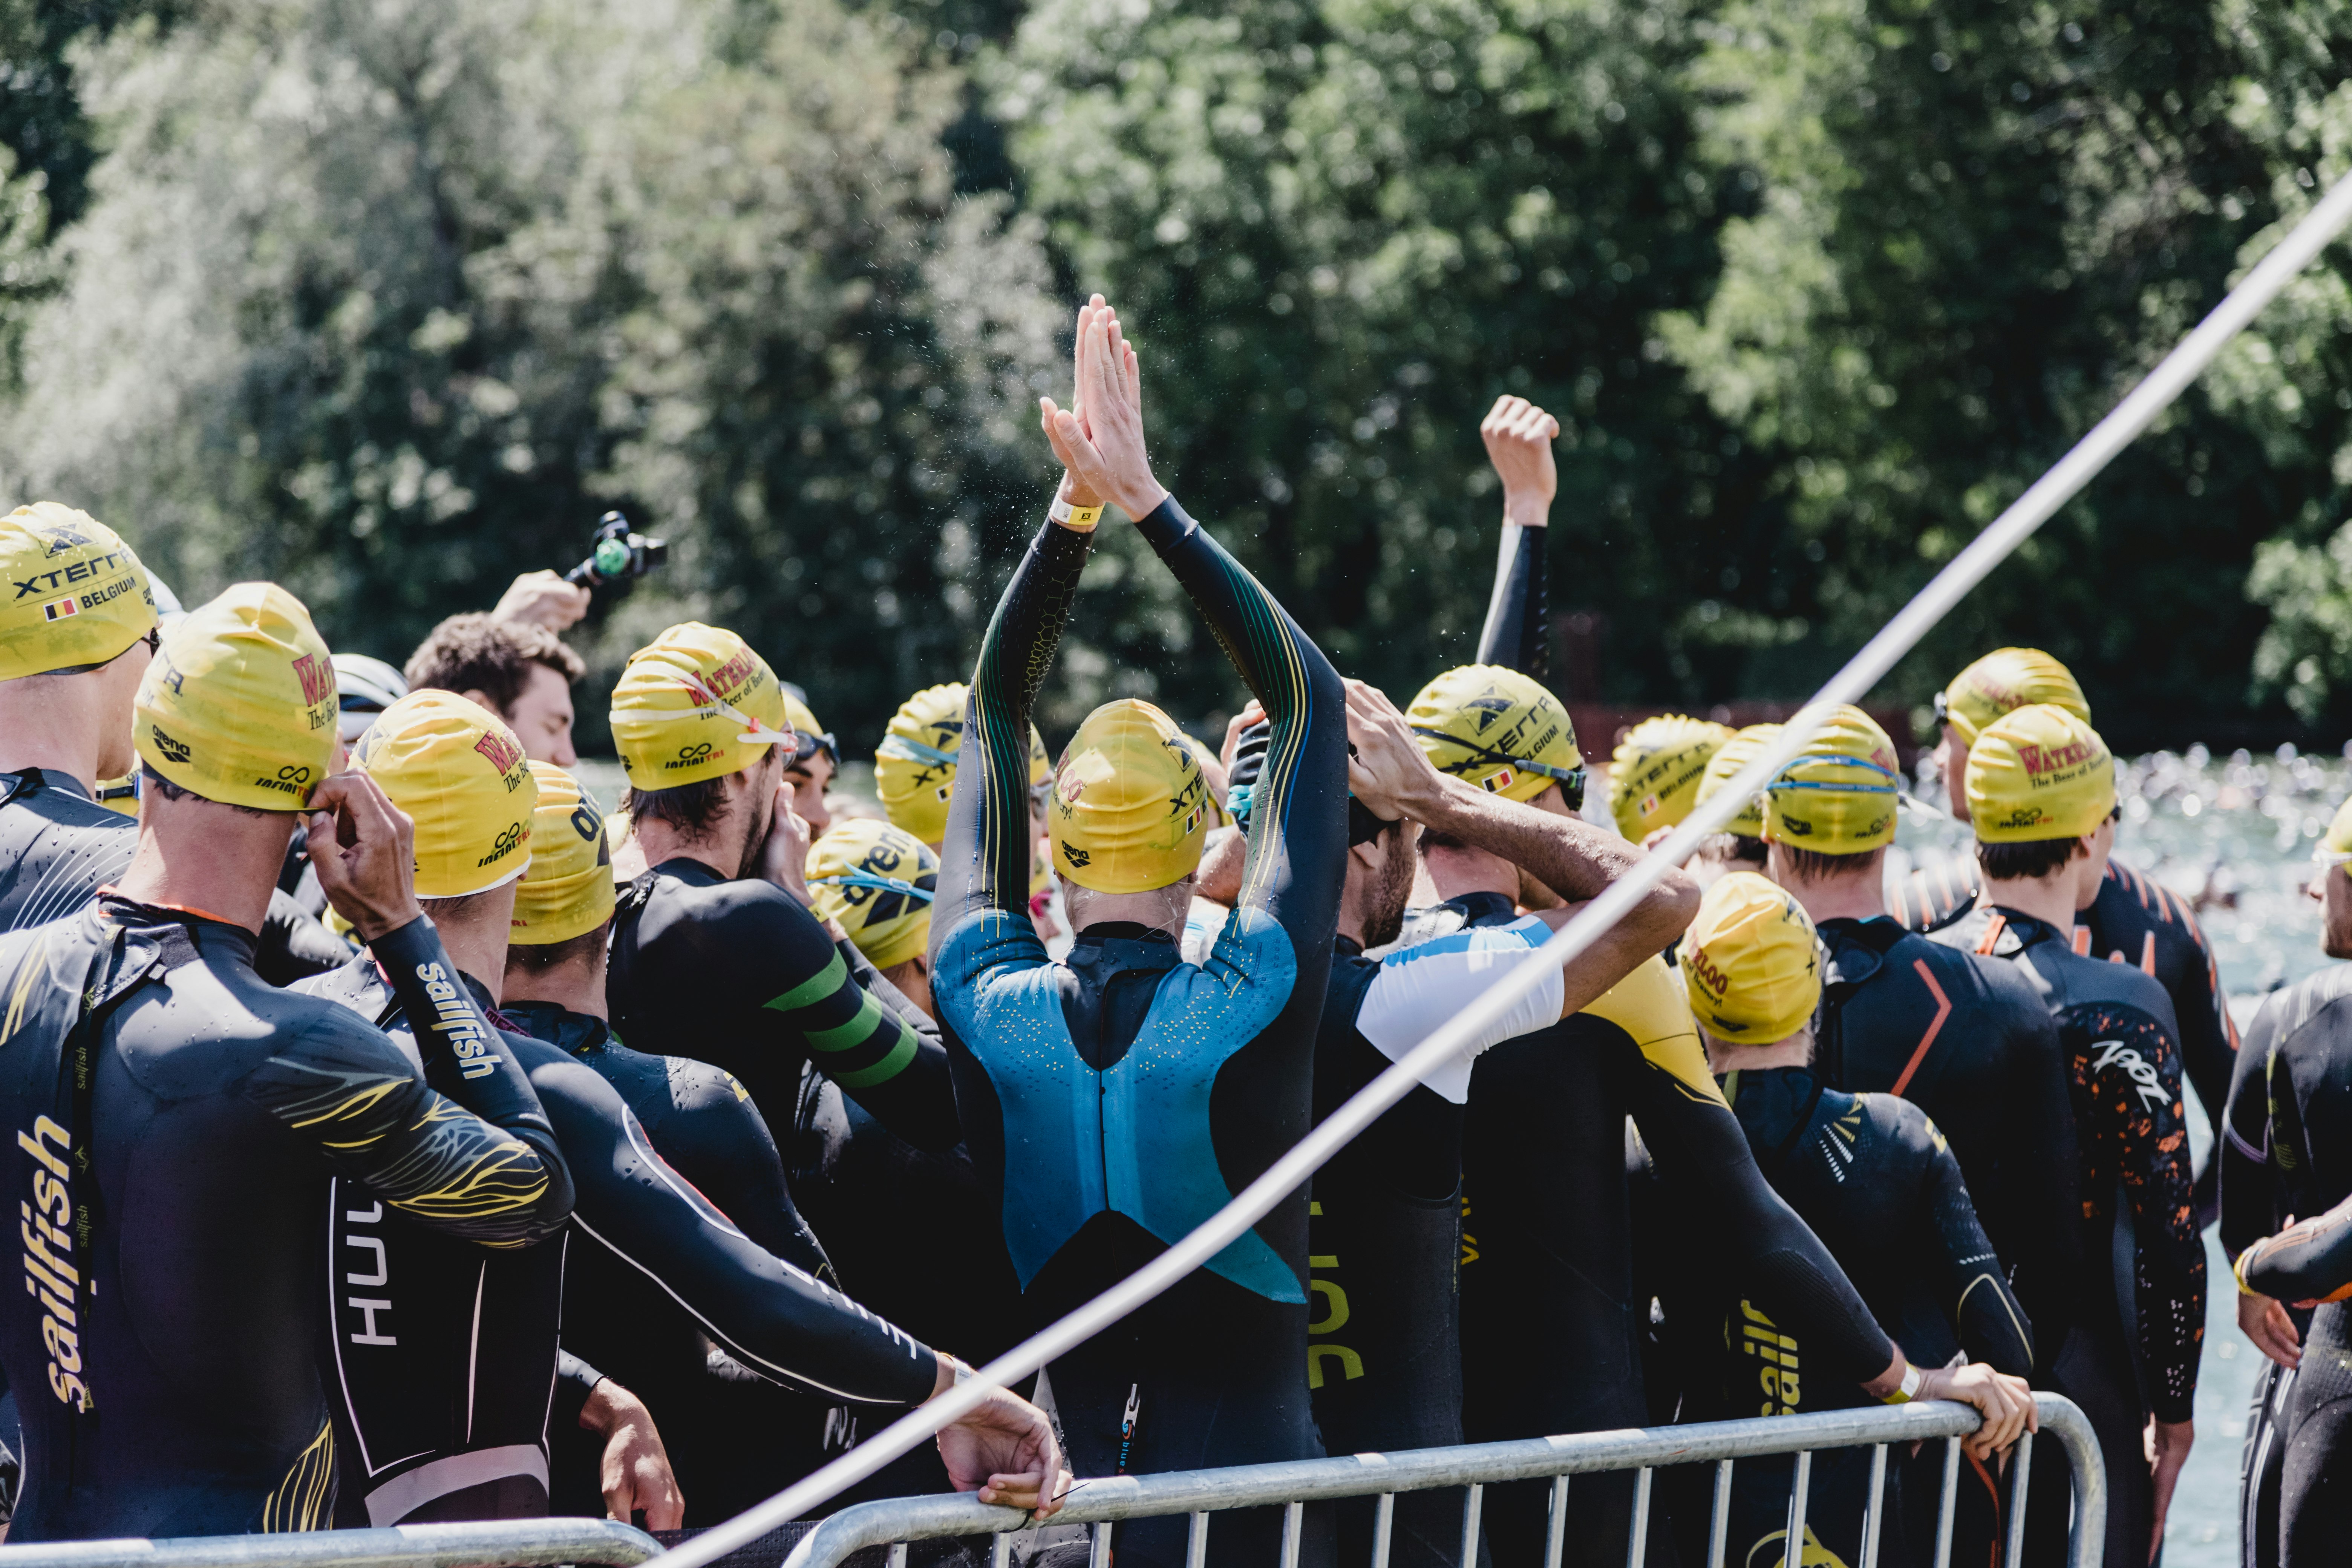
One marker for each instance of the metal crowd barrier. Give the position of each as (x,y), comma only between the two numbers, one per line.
(523,1543)
(1101,1503)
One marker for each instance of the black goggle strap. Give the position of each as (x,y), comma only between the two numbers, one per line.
(1572,778)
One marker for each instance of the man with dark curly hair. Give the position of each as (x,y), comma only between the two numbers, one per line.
(520,670)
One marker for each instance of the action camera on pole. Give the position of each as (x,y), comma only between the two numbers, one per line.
(616,555)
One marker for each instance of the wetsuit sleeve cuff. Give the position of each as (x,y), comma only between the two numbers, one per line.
(575,1380)
(1165,524)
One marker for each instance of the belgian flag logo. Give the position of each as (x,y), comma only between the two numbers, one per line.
(58,609)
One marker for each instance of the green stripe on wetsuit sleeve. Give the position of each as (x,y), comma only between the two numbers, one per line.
(857,1043)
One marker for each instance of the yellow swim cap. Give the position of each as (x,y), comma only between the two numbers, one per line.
(878,881)
(1202,757)
(459,773)
(240,705)
(915,766)
(2003,681)
(1749,963)
(696,703)
(1724,766)
(1837,796)
(1501,731)
(2335,848)
(1656,771)
(2037,774)
(1129,810)
(76,594)
(567,888)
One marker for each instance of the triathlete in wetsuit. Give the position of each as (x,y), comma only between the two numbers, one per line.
(712,961)
(2040,788)
(1549,1233)
(2131,919)
(2286,1153)
(179,1120)
(1874,1180)
(1385,1360)
(1115,1100)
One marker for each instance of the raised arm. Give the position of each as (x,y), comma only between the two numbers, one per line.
(2151,1131)
(1518,437)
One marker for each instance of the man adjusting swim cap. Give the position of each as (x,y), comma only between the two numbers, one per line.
(1500,730)
(239,707)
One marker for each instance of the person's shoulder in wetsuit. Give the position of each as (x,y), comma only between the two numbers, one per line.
(58,847)
(732,968)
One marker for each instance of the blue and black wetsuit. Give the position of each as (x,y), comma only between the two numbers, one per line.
(179,1125)
(446,1368)
(2138,1318)
(2288,1148)
(1115,1100)
(734,972)
(1875,1180)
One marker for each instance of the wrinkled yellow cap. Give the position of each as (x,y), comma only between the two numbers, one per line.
(915,766)
(240,705)
(2037,774)
(567,888)
(1656,771)
(2335,847)
(1837,795)
(876,881)
(1129,810)
(696,703)
(459,773)
(2003,681)
(1749,962)
(1724,766)
(75,594)
(1498,729)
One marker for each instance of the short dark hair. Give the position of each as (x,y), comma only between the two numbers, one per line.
(1735,849)
(451,908)
(151,778)
(1813,864)
(2029,862)
(474,653)
(539,957)
(694,809)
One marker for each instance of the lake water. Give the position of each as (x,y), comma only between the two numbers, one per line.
(2235,834)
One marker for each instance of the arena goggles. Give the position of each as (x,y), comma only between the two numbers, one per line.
(1784,781)
(1570,780)
(880,884)
(810,745)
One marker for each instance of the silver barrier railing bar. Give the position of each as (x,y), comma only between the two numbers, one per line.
(1298,1482)
(524,1543)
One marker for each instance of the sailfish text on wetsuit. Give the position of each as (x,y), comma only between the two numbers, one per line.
(455,1021)
(49,1277)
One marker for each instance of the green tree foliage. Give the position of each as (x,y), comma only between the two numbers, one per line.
(1339,230)
(388,302)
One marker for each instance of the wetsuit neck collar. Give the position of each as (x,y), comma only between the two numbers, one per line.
(575,1033)
(27,781)
(2028,931)
(1104,931)
(1858,948)
(125,911)
(1346,946)
(1774,1105)
(1484,908)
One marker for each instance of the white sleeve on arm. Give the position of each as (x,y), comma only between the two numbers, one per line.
(1423,987)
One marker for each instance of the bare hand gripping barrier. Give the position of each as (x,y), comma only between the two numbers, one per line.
(1898,638)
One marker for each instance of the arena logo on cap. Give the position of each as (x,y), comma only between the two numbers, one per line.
(177,750)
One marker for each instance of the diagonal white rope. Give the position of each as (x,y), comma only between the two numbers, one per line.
(1989,549)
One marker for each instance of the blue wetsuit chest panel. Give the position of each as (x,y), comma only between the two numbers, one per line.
(1132,1138)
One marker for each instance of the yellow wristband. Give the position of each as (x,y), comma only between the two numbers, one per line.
(1081,518)
(1909,1389)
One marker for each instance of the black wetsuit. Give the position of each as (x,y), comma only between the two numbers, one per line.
(735,973)
(171,1386)
(2132,920)
(1549,1237)
(2288,1149)
(1115,1100)
(2138,1320)
(1873,1178)
(2253,1207)
(58,846)
(480,1333)
(1968,1041)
